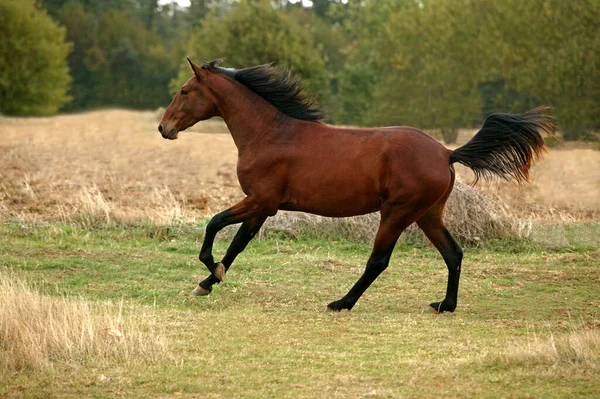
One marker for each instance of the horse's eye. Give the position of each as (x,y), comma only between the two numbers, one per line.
(184,92)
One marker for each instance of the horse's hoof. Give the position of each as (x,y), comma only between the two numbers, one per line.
(201,291)
(441,307)
(337,306)
(220,271)
(435,307)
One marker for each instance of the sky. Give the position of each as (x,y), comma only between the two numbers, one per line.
(183,3)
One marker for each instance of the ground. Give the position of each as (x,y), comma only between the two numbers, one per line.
(527,322)
(265,331)
(49,167)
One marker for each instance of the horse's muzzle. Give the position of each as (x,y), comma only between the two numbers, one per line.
(170,134)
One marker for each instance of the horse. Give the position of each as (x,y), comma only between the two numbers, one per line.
(288,159)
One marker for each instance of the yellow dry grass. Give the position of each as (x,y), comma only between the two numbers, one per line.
(114,162)
(564,185)
(580,347)
(112,165)
(37,330)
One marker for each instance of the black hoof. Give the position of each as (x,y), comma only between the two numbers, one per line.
(441,307)
(338,306)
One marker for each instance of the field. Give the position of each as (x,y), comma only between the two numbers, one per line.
(101,225)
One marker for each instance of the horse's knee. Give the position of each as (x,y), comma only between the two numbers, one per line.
(213,226)
(377,265)
(205,258)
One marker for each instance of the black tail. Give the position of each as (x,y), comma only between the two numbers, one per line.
(506,145)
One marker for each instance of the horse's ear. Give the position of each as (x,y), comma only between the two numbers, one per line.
(198,71)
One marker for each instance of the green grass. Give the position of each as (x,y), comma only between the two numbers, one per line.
(265,331)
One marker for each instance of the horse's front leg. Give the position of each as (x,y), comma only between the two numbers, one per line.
(244,235)
(246,209)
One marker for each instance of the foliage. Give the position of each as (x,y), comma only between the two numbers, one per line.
(435,64)
(330,41)
(431,76)
(359,76)
(254,33)
(445,64)
(34,76)
(548,55)
(118,58)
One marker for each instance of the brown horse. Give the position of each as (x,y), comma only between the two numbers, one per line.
(289,160)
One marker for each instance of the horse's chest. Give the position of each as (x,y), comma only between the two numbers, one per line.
(249,175)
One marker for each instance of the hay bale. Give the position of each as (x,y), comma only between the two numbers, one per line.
(471,216)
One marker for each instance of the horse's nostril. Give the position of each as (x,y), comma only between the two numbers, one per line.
(160,128)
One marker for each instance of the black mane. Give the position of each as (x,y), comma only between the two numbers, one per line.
(279,88)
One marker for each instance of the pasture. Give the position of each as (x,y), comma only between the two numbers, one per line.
(102,221)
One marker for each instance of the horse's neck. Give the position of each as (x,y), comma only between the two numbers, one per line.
(248,116)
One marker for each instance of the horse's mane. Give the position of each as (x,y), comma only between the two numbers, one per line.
(278,87)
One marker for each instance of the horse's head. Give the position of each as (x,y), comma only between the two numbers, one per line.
(192,103)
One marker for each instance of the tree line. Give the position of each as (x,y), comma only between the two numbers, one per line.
(435,64)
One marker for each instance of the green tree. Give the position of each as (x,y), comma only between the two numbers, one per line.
(34,75)
(548,54)
(253,33)
(448,63)
(330,40)
(117,59)
(87,58)
(357,79)
(432,69)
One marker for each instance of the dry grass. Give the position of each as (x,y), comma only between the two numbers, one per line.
(471,215)
(112,166)
(38,330)
(90,209)
(564,185)
(115,160)
(580,347)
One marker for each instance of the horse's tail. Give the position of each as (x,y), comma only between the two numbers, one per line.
(506,145)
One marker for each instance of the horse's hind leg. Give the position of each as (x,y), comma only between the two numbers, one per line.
(432,225)
(390,228)
(245,233)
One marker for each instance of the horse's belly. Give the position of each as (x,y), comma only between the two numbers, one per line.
(333,197)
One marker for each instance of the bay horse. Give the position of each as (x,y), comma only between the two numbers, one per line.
(289,160)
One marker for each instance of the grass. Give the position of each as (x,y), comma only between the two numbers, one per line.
(526,326)
(40,329)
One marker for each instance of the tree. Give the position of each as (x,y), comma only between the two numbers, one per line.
(548,55)
(254,33)
(432,69)
(358,78)
(87,59)
(34,75)
(117,60)
(330,40)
